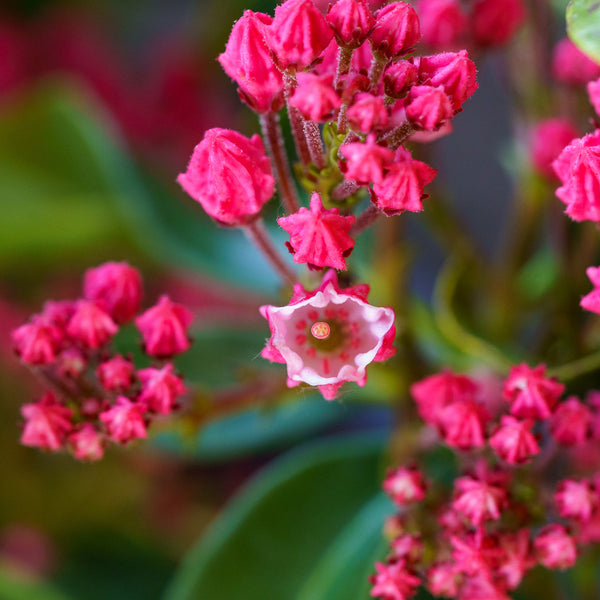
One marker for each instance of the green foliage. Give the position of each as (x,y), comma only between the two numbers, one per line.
(583,26)
(12,588)
(273,536)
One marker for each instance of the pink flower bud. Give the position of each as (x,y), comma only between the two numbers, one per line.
(367,113)
(555,547)
(230,175)
(365,162)
(38,342)
(405,485)
(517,557)
(116,374)
(247,60)
(71,362)
(443,23)
(394,581)
(478,501)
(351,21)
(462,424)
(571,422)
(163,328)
(91,325)
(87,443)
(443,579)
(591,301)
(530,392)
(402,186)
(125,420)
(407,546)
(571,66)
(298,34)
(160,389)
(513,440)
(47,423)
(576,499)
(548,138)
(58,313)
(396,30)
(428,107)
(578,168)
(399,77)
(593,88)
(117,287)
(318,236)
(494,22)
(454,71)
(315,97)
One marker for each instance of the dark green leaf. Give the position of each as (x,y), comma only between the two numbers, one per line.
(583,26)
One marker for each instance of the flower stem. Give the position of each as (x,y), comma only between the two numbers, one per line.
(296,120)
(365,219)
(344,189)
(395,138)
(314,143)
(271,129)
(576,368)
(343,66)
(257,233)
(376,70)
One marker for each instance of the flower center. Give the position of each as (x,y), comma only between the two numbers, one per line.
(320,330)
(326,336)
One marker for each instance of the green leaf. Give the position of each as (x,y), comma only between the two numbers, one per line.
(342,573)
(270,538)
(14,589)
(539,275)
(583,26)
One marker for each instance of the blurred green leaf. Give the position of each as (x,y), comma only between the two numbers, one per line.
(14,589)
(583,26)
(270,538)
(539,275)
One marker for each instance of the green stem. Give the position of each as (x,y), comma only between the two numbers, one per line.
(578,367)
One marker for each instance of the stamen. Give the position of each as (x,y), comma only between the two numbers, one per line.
(320,330)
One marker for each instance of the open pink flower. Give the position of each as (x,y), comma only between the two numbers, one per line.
(319,236)
(329,336)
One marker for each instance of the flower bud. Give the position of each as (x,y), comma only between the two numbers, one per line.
(91,325)
(160,389)
(47,423)
(548,138)
(365,162)
(87,443)
(443,23)
(399,77)
(493,22)
(315,97)
(428,107)
(38,342)
(571,66)
(351,21)
(125,420)
(396,30)
(230,175)
(116,374)
(368,113)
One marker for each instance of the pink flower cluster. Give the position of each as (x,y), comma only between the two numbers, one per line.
(490,529)
(98,396)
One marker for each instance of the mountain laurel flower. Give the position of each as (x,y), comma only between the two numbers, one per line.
(478,501)
(443,23)
(396,30)
(319,236)
(351,21)
(230,175)
(571,422)
(91,325)
(547,140)
(428,107)
(576,499)
(329,336)
(298,34)
(494,22)
(408,546)
(462,424)
(315,97)
(47,423)
(367,113)
(531,394)
(555,548)
(405,485)
(124,421)
(247,60)
(37,342)
(394,581)
(513,441)
(87,443)
(593,88)
(365,162)
(571,66)
(591,301)
(399,77)
(443,579)
(116,374)
(164,328)
(160,388)
(402,185)
(117,287)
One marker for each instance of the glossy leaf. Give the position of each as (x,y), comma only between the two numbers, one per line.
(583,26)
(270,538)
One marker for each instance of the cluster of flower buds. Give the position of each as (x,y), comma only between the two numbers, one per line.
(97,396)
(495,523)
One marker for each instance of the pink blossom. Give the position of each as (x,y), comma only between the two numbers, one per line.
(494,22)
(319,236)
(160,388)
(91,324)
(578,168)
(548,138)
(164,328)
(576,499)
(428,107)
(298,34)
(247,60)
(408,546)
(87,443)
(555,547)
(571,422)
(357,334)
(443,23)
(117,287)
(47,423)
(37,342)
(366,161)
(454,71)
(230,175)
(530,392)
(367,113)
(351,21)
(517,557)
(58,313)
(396,30)
(71,362)
(475,554)
(591,301)
(513,440)
(394,581)
(481,587)
(593,88)
(125,420)
(402,185)
(443,579)
(315,97)
(477,500)
(399,77)
(116,373)
(405,485)
(463,423)
(571,66)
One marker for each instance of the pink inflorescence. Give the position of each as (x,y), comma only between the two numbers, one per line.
(98,396)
